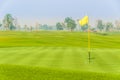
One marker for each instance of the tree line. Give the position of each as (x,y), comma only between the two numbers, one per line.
(10,23)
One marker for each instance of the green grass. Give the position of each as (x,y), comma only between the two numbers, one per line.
(64,39)
(15,72)
(106,60)
(58,56)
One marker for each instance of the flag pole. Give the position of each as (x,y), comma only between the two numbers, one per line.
(83,22)
(89,47)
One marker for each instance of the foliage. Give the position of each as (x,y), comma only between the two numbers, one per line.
(0,25)
(70,23)
(8,22)
(45,27)
(117,24)
(100,25)
(109,26)
(59,26)
(25,27)
(84,27)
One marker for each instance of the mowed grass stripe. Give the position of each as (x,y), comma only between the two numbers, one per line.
(36,59)
(7,54)
(4,52)
(84,64)
(21,59)
(47,59)
(70,56)
(64,57)
(68,62)
(15,54)
(112,59)
(57,58)
(101,61)
(36,55)
(79,58)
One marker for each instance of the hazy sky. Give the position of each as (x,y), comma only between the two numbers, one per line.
(51,11)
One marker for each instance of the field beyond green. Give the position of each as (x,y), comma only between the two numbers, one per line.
(58,39)
(50,55)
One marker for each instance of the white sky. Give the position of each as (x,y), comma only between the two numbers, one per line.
(51,11)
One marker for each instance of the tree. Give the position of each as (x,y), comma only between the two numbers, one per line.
(31,28)
(8,22)
(63,25)
(59,26)
(15,22)
(0,24)
(40,26)
(109,26)
(25,27)
(37,26)
(70,23)
(100,25)
(117,24)
(45,27)
(85,27)
(19,27)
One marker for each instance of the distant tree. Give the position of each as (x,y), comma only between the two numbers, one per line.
(117,24)
(8,22)
(63,25)
(50,27)
(84,28)
(40,26)
(109,26)
(19,27)
(25,27)
(93,30)
(15,23)
(31,28)
(100,25)
(59,26)
(0,24)
(37,27)
(70,23)
(45,27)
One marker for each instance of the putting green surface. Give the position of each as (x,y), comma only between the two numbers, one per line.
(103,60)
(59,56)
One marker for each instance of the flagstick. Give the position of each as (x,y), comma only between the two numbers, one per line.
(89,53)
(85,21)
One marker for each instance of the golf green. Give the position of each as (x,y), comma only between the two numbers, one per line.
(55,55)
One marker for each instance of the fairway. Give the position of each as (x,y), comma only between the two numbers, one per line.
(62,54)
(59,39)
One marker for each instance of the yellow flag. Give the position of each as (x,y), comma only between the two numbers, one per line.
(84,21)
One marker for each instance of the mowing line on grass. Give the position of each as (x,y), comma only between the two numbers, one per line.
(57,58)
(36,60)
(67,63)
(21,59)
(101,61)
(112,59)
(35,56)
(46,60)
(79,58)
(8,54)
